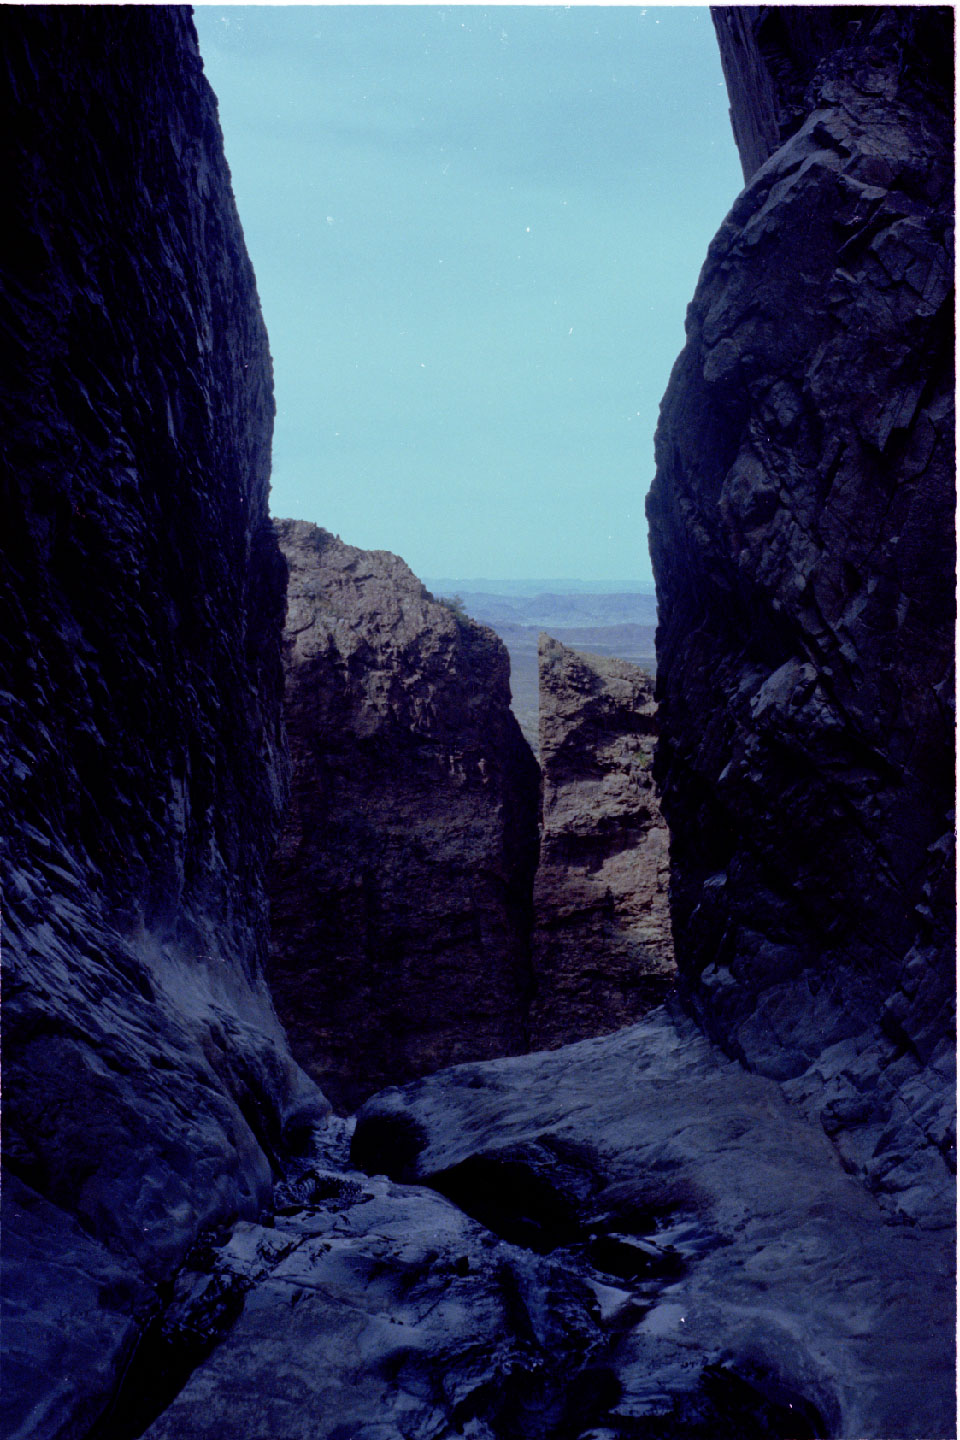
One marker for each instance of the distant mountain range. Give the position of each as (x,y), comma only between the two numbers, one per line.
(617,621)
(547,610)
(447,586)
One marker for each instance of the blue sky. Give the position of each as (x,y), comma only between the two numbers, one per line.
(475,233)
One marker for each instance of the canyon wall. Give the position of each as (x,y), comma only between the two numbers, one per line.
(628,1236)
(147,1082)
(602,952)
(802,521)
(401,888)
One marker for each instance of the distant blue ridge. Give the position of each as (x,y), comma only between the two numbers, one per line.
(446,586)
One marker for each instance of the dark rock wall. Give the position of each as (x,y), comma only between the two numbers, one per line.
(401,891)
(602,953)
(769,54)
(146,1078)
(802,524)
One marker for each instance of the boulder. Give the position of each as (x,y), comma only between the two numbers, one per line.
(384,1311)
(745,1284)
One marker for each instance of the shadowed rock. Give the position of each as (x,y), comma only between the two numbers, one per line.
(401,890)
(746,1285)
(146,1078)
(655,1242)
(390,1314)
(802,535)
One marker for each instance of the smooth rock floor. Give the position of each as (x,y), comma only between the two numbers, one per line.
(661,1246)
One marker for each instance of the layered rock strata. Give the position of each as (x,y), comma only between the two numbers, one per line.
(602,951)
(401,888)
(803,545)
(147,1081)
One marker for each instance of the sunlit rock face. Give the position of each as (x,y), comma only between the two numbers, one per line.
(401,888)
(603,953)
(147,1081)
(802,536)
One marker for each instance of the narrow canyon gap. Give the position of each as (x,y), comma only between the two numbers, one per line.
(733,1218)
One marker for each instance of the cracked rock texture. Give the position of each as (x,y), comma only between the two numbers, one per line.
(401,889)
(374,1311)
(147,1081)
(745,1285)
(602,952)
(802,523)
(622,1239)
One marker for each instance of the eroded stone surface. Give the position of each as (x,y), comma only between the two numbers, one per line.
(746,1267)
(658,1243)
(629,1237)
(401,889)
(802,537)
(146,1079)
(602,947)
(392,1314)
(72,1316)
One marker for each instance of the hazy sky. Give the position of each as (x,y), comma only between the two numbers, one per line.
(475,233)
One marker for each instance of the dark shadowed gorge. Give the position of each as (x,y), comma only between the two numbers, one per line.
(733,1217)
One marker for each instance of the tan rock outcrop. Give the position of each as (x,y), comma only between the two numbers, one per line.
(603,953)
(401,891)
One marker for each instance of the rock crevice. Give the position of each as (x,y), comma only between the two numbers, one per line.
(630,1236)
